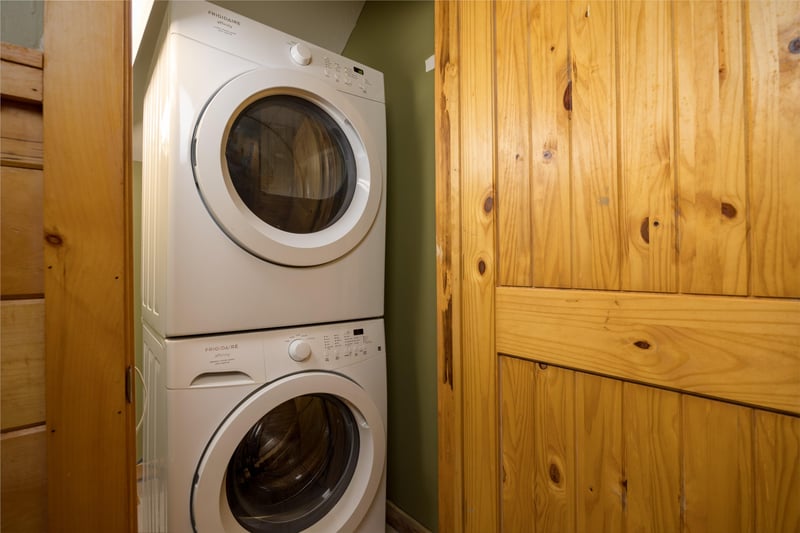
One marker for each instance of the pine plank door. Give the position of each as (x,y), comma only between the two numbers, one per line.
(619,265)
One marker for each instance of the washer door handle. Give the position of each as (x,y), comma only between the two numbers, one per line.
(221,379)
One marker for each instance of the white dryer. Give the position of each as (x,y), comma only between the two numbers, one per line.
(264,165)
(273,431)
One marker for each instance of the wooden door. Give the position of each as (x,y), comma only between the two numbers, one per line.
(615,192)
(23,487)
(88,269)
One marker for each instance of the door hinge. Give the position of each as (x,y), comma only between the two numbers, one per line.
(129,385)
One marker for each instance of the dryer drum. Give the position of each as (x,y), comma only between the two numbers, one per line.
(293,465)
(291,164)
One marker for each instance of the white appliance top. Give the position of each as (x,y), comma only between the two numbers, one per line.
(237,35)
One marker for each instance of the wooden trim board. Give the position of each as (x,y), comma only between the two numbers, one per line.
(739,349)
(22,73)
(24,480)
(88,267)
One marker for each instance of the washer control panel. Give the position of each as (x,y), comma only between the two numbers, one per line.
(262,356)
(333,346)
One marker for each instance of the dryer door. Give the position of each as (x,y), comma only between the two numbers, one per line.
(287,167)
(305,453)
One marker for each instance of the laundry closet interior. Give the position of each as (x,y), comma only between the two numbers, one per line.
(616,241)
(270,201)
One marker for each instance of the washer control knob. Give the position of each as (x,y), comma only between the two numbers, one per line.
(299,350)
(301,54)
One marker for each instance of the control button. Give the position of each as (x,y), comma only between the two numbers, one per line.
(301,54)
(299,350)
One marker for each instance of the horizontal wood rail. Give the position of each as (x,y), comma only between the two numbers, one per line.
(744,350)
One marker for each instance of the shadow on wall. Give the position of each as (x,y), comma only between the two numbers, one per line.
(397,38)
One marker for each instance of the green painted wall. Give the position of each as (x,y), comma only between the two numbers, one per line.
(21,22)
(396,38)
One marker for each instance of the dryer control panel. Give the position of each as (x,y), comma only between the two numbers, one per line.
(237,35)
(351,77)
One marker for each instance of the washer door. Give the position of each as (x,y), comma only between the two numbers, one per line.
(305,453)
(287,167)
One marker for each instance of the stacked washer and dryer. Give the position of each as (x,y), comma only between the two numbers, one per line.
(263,208)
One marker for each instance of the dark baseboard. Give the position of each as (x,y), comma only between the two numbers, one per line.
(401,522)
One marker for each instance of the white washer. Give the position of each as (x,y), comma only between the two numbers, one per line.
(264,163)
(240,436)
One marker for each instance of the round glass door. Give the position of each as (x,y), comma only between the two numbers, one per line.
(293,465)
(291,164)
(304,453)
(287,167)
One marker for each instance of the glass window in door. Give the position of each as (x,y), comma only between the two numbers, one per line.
(291,164)
(293,466)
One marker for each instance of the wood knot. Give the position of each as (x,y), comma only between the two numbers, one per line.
(488,204)
(644,345)
(728,210)
(555,474)
(481,267)
(644,230)
(543,366)
(53,239)
(568,97)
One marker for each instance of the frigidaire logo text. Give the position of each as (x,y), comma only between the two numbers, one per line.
(222,347)
(224,17)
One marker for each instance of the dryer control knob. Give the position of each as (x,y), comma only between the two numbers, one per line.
(301,54)
(299,350)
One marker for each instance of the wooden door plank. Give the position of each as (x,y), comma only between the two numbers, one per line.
(512,78)
(478,357)
(21,82)
(651,455)
(20,134)
(774,115)
(24,480)
(22,356)
(15,53)
(717,466)
(647,170)
(598,444)
(595,192)
(448,266)
(89,271)
(518,427)
(711,147)
(21,262)
(554,448)
(740,349)
(549,150)
(777,472)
